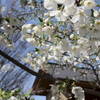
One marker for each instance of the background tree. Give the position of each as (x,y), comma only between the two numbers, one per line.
(10,73)
(12,77)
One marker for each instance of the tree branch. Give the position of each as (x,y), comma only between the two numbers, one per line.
(40,75)
(94,71)
(26,68)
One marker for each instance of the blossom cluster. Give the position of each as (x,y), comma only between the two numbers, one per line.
(68,33)
(72,37)
(7,31)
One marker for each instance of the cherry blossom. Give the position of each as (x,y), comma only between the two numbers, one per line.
(48,30)
(89,4)
(7,28)
(96,13)
(32,41)
(78,92)
(3,42)
(70,10)
(59,15)
(14,21)
(81,15)
(50,4)
(12,98)
(26,28)
(37,30)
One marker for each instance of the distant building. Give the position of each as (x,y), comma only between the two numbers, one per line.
(83,76)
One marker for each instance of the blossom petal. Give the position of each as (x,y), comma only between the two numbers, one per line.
(50,4)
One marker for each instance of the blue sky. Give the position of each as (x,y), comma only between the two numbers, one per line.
(28,87)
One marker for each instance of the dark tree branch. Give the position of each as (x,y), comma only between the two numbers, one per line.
(38,74)
(26,68)
(94,71)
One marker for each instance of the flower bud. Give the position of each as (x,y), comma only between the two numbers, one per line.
(46,20)
(72,36)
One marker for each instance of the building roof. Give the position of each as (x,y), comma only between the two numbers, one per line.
(42,86)
(63,71)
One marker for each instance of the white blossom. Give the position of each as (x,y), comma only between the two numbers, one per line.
(31,4)
(83,42)
(60,1)
(41,61)
(12,98)
(97,24)
(81,15)
(83,45)
(46,14)
(32,41)
(14,21)
(26,28)
(70,10)
(96,13)
(83,57)
(75,50)
(54,89)
(72,36)
(48,30)
(10,46)
(3,42)
(70,59)
(89,4)
(53,98)
(27,59)
(50,4)
(56,51)
(97,43)
(95,32)
(2,9)
(82,29)
(37,30)
(7,29)
(59,15)
(92,47)
(63,45)
(47,20)
(66,2)
(25,37)
(78,92)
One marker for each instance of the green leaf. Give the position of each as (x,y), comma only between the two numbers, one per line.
(31,92)
(37,50)
(1,19)
(64,85)
(42,23)
(73,84)
(67,80)
(16,91)
(7,19)
(40,19)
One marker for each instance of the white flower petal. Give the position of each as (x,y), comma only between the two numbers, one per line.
(50,4)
